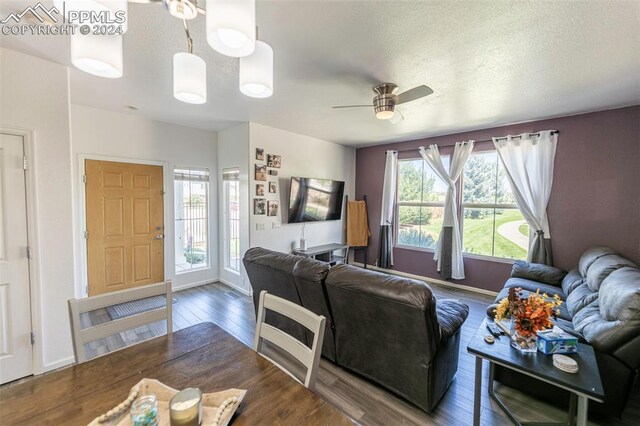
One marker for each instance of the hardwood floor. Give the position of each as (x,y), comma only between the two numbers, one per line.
(361,400)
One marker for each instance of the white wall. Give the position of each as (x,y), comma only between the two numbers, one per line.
(233,151)
(34,95)
(127,137)
(301,156)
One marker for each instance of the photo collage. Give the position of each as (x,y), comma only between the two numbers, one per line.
(266,201)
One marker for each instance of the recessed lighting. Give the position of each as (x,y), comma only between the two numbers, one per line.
(132,107)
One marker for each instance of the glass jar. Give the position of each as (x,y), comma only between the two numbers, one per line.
(144,411)
(524,342)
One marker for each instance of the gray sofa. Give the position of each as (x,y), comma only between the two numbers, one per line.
(602,308)
(388,329)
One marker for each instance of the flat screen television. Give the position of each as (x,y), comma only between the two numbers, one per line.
(314,200)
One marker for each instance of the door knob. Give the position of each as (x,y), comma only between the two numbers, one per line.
(158,237)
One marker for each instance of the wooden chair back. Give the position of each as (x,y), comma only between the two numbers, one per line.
(309,357)
(77,307)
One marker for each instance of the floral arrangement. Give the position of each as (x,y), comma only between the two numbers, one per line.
(530,314)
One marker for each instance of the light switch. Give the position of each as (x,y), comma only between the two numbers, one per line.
(259,226)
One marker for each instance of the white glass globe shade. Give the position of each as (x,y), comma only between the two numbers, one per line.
(115,9)
(100,55)
(256,72)
(384,115)
(189,78)
(231,26)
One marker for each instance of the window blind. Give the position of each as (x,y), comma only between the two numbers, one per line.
(191,174)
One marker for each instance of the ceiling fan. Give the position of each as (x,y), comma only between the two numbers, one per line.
(386,99)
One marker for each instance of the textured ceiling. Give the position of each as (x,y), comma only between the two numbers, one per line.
(489,63)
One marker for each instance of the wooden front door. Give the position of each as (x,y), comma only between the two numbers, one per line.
(125,225)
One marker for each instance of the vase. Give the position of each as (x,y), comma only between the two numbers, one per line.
(525,343)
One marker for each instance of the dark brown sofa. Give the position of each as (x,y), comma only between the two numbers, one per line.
(388,329)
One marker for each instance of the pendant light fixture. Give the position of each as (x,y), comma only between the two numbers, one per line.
(189,75)
(231,26)
(256,72)
(100,55)
(181,9)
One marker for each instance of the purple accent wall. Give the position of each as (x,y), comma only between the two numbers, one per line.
(595,198)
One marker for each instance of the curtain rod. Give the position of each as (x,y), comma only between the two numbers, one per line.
(553,132)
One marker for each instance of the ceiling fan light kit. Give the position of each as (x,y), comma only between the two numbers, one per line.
(385,100)
(100,55)
(189,78)
(231,27)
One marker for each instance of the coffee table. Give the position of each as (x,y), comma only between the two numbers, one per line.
(584,385)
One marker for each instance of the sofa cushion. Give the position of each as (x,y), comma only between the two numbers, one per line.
(572,280)
(613,319)
(538,272)
(532,286)
(590,256)
(620,295)
(602,267)
(580,297)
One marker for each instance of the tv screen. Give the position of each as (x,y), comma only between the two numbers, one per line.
(313,200)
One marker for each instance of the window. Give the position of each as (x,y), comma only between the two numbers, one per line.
(191,218)
(492,223)
(420,204)
(231,200)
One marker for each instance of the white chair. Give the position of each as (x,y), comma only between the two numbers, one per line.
(310,358)
(77,307)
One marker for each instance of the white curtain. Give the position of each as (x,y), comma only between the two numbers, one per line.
(449,248)
(385,255)
(528,160)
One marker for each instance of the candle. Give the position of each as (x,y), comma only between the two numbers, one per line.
(185,408)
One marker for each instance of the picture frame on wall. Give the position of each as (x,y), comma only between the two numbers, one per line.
(274,161)
(273,208)
(261,172)
(259,206)
(260,190)
(260,154)
(273,173)
(273,187)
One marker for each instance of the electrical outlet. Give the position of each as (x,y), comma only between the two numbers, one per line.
(259,226)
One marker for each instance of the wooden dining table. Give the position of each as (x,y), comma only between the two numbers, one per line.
(202,356)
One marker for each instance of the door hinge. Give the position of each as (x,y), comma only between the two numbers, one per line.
(84,178)
(86,290)
(33,338)
(86,235)
(24,162)
(28,252)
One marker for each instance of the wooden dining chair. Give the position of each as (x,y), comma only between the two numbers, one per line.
(82,336)
(309,357)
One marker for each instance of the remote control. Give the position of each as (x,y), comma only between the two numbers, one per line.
(494,329)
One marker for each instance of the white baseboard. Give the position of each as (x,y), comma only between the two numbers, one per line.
(194,284)
(59,364)
(236,287)
(430,280)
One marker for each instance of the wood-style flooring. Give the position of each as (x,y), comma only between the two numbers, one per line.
(364,402)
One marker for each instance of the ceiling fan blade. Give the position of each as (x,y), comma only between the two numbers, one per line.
(413,94)
(396,117)
(352,106)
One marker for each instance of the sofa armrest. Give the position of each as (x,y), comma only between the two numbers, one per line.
(451,315)
(538,272)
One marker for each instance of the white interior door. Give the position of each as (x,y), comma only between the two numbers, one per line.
(16,356)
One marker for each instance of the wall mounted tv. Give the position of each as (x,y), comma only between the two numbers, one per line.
(313,200)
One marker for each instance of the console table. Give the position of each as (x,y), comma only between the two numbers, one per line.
(326,253)
(584,385)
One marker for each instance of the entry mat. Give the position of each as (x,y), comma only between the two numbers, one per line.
(136,307)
